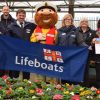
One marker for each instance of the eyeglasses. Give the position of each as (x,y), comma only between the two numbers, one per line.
(84,21)
(67,19)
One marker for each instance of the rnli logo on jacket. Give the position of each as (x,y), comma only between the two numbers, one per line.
(54,56)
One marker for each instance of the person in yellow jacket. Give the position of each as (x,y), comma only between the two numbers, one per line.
(45,17)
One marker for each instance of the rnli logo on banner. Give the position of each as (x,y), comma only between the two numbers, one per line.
(54,56)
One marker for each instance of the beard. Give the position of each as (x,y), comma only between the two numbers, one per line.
(46,21)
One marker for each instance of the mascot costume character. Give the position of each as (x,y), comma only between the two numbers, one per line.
(46,17)
(46,33)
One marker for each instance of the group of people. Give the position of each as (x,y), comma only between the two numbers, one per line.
(18,28)
(68,35)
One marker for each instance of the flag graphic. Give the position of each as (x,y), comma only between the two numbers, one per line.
(54,56)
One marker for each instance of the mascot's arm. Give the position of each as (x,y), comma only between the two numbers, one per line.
(33,37)
(36,37)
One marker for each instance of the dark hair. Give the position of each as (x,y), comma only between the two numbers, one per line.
(98,24)
(20,11)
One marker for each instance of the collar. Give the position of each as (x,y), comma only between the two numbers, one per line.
(18,23)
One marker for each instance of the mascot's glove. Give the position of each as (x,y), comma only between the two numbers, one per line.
(40,36)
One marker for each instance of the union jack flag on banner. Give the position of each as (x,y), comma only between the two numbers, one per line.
(54,56)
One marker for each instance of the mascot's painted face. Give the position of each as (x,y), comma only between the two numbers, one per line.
(46,18)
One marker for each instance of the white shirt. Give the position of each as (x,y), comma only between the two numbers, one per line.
(18,23)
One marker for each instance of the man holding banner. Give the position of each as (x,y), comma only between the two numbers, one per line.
(20,29)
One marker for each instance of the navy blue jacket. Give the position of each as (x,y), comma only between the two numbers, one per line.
(14,30)
(67,36)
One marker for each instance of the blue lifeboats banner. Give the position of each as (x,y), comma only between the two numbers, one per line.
(67,63)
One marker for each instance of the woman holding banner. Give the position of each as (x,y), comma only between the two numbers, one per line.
(96,49)
(67,34)
(85,33)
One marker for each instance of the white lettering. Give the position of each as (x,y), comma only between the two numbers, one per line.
(61,69)
(50,67)
(44,65)
(30,63)
(22,61)
(35,63)
(16,60)
(26,60)
(55,66)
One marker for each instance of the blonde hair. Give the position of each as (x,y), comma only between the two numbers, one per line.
(65,17)
(84,19)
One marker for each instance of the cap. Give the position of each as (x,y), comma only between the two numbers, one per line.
(45,5)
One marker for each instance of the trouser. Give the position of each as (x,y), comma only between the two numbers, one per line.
(97,66)
(15,74)
(2,72)
(86,75)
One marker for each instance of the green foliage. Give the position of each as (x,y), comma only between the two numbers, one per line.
(27,90)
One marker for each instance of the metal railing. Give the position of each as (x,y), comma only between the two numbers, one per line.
(92,22)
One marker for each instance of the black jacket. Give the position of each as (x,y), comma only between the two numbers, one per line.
(6,22)
(14,30)
(2,30)
(85,38)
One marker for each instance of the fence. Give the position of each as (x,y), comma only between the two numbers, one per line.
(92,22)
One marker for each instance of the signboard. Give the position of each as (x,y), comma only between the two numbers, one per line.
(97,46)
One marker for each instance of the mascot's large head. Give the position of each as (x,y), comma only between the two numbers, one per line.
(46,15)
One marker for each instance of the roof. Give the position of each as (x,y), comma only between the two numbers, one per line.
(80,6)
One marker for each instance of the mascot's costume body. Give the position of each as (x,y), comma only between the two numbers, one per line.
(46,33)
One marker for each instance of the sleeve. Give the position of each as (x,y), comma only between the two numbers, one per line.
(33,37)
(80,40)
(9,31)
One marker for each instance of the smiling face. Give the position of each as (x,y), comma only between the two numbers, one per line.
(84,23)
(5,10)
(46,18)
(67,20)
(20,15)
